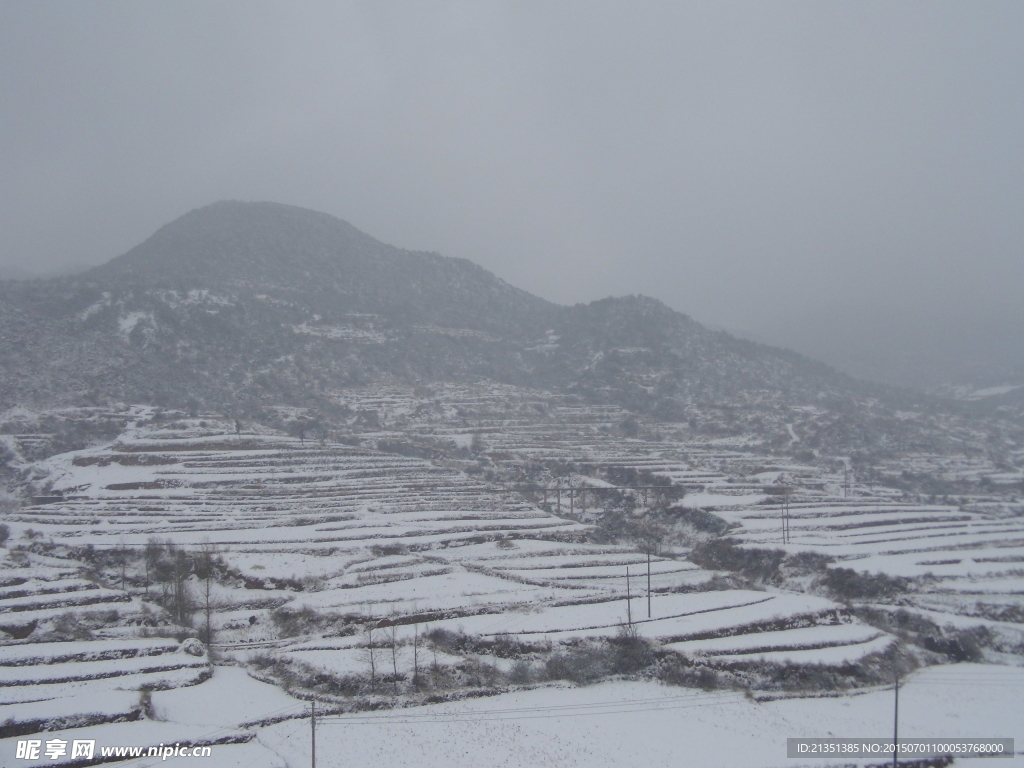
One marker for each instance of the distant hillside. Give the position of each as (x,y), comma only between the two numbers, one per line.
(237,306)
(323,265)
(13,273)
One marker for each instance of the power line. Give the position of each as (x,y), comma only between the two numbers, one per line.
(567,710)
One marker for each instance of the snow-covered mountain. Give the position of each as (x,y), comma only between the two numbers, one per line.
(237,307)
(238,304)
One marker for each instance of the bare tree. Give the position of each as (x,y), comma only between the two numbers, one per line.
(205,568)
(180,599)
(650,535)
(121,557)
(416,656)
(151,557)
(392,634)
(371,656)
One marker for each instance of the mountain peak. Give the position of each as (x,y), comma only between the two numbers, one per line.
(216,239)
(322,264)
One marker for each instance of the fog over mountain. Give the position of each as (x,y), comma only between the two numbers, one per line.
(264,300)
(947,349)
(754,166)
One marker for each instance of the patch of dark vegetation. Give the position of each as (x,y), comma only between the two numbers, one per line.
(12,728)
(759,565)
(698,519)
(675,669)
(148,485)
(846,584)
(502,646)
(1013,614)
(873,669)
(296,676)
(19,631)
(807,564)
(588,661)
(430,682)
(125,460)
(293,622)
(384,550)
(66,627)
(956,645)
(774,567)
(271,582)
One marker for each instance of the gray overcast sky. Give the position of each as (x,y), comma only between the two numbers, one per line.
(740,161)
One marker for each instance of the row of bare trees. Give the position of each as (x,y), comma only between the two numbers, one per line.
(389,628)
(165,570)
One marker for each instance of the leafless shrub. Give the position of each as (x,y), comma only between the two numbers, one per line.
(522,673)
(584,663)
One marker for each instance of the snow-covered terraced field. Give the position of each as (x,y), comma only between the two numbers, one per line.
(827,656)
(386,536)
(46,683)
(856,528)
(379,534)
(678,616)
(355,538)
(786,639)
(266,489)
(961,562)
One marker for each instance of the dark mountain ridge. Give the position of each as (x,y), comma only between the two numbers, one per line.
(238,306)
(324,263)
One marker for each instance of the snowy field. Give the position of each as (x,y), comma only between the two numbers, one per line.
(610,724)
(637,725)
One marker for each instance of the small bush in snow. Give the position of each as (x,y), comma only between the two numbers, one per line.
(630,652)
(846,584)
(584,664)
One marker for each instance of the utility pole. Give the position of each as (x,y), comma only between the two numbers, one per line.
(312,727)
(648,582)
(785,517)
(896,709)
(416,656)
(629,600)
(782,515)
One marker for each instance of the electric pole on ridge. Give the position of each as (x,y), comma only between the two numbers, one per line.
(629,600)
(896,707)
(648,582)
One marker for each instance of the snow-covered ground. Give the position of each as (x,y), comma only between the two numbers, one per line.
(644,725)
(361,537)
